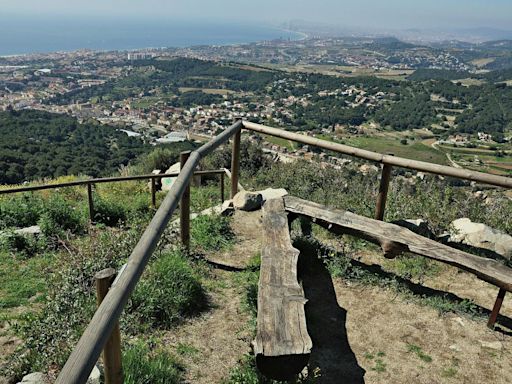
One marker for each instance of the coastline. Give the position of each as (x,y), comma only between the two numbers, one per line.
(261,33)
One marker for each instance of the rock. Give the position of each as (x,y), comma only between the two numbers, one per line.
(419,226)
(455,348)
(247,201)
(480,236)
(272,193)
(368,168)
(95,376)
(496,345)
(29,231)
(227,208)
(34,378)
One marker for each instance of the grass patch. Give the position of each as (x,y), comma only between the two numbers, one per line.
(144,366)
(211,233)
(23,281)
(413,267)
(412,348)
(170,291)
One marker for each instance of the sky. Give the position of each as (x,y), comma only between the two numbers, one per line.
(395,14)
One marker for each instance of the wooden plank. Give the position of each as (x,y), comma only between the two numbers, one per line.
(282,345)
(397,239)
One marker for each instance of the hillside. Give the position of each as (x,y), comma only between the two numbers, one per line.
(192,316)
(37,145)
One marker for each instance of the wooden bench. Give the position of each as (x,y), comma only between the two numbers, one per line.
(394,240)
(282,345)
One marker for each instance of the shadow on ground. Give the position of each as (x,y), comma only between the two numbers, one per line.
(326,321)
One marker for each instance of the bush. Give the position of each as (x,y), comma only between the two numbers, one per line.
(170,291)
(211,233)
(108,212)
(26,246)
(20,211)
(59,216)
(142,366)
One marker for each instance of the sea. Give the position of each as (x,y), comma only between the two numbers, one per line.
(40,35)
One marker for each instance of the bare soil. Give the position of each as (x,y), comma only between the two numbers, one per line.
(360,333)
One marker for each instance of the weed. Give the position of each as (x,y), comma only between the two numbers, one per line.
(144,366)
(186,350)
(170,291)
(211,233)
(419,352)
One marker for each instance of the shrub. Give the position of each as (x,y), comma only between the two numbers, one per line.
(20,211)
(170,291)
(211,233)
(109,212)
(26,246)
(142,366)
(50,334)
(60,216)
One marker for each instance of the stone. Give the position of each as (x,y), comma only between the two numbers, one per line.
(479,235)
(419,226)
(29,231)
(95,376)
(366,169)
(496,345)
(247,201)
(273,193)
(227,208)
(34,378)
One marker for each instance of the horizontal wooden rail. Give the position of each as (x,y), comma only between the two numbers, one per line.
(87,351)
(500,181)
(105,180)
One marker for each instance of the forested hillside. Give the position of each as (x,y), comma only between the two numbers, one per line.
(38,144)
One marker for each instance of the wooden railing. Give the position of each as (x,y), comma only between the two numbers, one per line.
(93,340)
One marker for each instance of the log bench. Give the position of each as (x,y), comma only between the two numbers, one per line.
(394,240)
(282,345)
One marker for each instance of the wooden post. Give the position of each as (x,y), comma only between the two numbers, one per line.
(235,163)
(383,192)
(222,187)
(91,202)
(496,309)
(112,350)
(153,192)
(185,206)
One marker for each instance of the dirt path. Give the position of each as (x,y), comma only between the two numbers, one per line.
(211,345)
(361,333)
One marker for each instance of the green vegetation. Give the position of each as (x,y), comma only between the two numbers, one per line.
(142,366)
(37,145)
(169,291)
(412,348)
(380,365)
(211,233)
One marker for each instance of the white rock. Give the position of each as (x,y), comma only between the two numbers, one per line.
(94,377)
(496,345)
(273,193)
(247,201)
(33,230)
(481,236)
(34,378)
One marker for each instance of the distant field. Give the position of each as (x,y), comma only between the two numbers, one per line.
(483,62)
(413,150)
(290,145)
(211,91)
(468,82)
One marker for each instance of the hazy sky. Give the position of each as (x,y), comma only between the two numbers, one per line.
(397,14)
